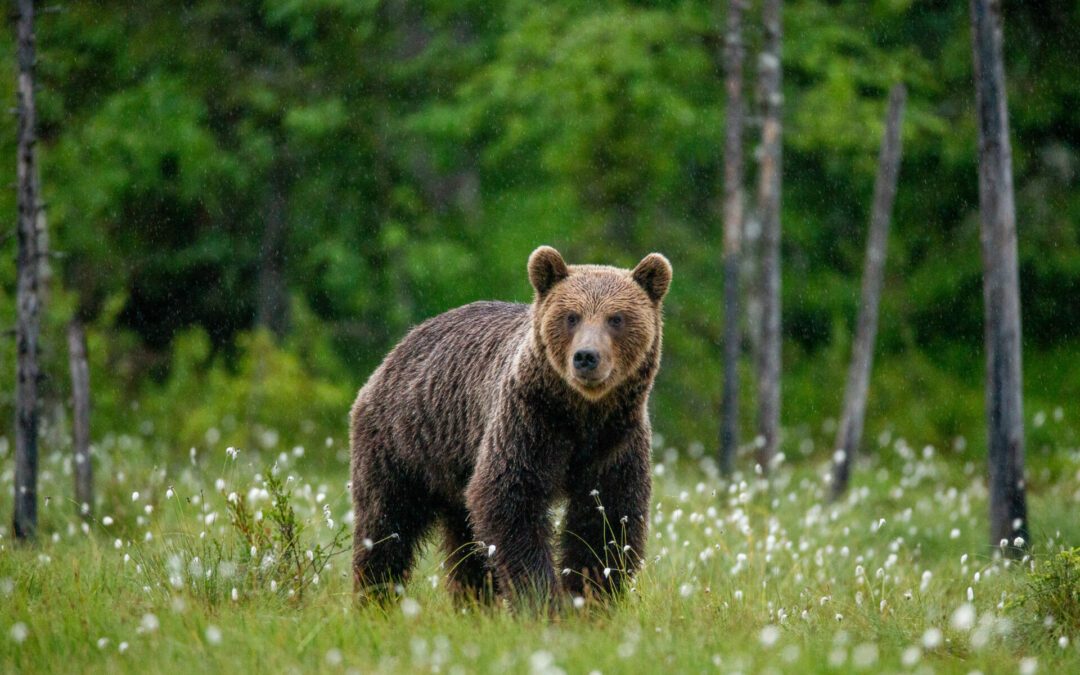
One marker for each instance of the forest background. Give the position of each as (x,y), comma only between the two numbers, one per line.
(249,203)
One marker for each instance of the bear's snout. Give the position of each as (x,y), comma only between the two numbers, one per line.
(585,362)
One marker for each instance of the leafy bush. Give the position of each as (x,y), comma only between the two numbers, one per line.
(275,554)
(1049,605)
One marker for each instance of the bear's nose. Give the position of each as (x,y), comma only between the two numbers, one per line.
(586,360)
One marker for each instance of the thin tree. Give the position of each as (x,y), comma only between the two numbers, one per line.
(769,185)
(80,404)
(27,286)
(1001,286)
(849,435)
(733,223)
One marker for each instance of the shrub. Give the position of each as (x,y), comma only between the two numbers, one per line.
(1049,604)
(275,554)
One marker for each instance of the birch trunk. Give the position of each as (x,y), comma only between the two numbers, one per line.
(769,185)
(27,287)
(849,435)
(733,223)
(80,404)
(1001,286)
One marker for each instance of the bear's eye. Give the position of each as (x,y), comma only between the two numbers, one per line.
(615,321)
(572,320)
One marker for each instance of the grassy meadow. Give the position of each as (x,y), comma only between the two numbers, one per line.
(248,203)
(185,563)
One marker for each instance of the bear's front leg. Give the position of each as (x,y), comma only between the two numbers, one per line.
(508,500)
(607,521)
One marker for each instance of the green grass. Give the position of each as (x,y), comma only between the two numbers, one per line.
(741,577)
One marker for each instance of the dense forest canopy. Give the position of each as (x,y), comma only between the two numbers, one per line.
(250,202)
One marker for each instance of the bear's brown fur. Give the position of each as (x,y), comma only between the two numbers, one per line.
(481,419)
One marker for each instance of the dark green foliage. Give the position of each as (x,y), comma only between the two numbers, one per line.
(423,149)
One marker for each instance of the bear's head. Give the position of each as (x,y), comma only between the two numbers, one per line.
(596,324)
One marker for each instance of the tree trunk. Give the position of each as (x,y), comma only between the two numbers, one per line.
(1001,286)
(27,287)
(849,435)
(44,271)
(733,222)
(272,306)
(750,283)
(769,185)
(80,404)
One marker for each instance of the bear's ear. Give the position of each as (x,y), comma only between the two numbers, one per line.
(653,274)
(546,268)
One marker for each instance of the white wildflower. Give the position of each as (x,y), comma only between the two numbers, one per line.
(333,657)
(910,656)
(963,618)
(931,639)
(410,608)
(149,623)
(19,632)
(769,635)
(213,634)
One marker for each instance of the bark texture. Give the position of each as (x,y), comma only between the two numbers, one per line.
(80,404)
(27,286)
(1001,286)
(849,435)
(733,223)
(769,185)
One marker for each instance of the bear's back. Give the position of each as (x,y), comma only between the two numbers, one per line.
(434,393)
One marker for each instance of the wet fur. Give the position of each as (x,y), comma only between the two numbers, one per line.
(473,423)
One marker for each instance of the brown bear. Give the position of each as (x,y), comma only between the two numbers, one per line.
(484,417)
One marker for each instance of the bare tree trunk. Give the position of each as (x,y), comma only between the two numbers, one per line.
(272,306)
(44,266)
(750,279)
(28,321)
(1001,286)
(733,223)
(849,435)
(80,404)
(769,185)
